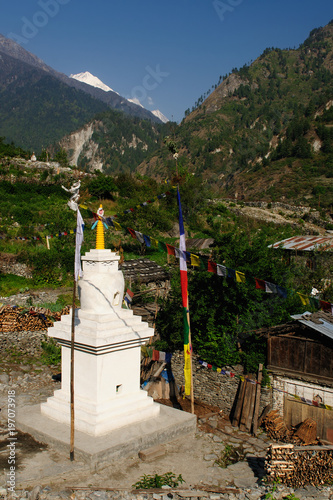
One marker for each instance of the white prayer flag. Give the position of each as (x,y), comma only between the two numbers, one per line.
(78,243)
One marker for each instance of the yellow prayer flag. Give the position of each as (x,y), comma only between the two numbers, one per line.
(195,260)
(218,370)
(154,242)
(240,277)
(187,369)
(117,225)
(304,299)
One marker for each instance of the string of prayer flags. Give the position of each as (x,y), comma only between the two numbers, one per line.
(155,355)
(242,378)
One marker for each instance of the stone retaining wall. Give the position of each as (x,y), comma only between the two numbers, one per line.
(213,388)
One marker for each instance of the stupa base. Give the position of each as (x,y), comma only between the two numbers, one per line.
(98,451)
(99,419)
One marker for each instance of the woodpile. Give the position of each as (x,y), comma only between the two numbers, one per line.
(298,466)
(14,319)
(307,432)
(276,428)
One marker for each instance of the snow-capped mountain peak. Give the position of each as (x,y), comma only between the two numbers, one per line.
(92,80)
(160,115)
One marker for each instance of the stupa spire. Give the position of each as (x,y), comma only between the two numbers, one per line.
(100,230)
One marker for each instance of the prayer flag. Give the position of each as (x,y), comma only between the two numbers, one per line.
(128,297)
(325,306)
(270,287)
(221,270)
(240,277)
(117,225)
(132,232)
(154,242)
(195,260)
(304,299)
(183,281)
(147,240)
(78,243)
(212,267)
(139,237)
(260,284)
(170,249)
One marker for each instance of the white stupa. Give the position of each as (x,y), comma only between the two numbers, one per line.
(108,339)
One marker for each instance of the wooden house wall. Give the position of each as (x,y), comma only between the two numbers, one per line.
(299,355)
(296,412)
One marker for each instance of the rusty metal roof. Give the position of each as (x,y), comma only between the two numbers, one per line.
(322,324)
(306,243)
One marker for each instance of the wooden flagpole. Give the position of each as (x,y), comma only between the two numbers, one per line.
(71,453)
(190,343)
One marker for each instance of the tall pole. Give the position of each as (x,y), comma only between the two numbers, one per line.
(71,453)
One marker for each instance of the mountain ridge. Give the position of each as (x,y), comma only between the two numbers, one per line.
(270,116)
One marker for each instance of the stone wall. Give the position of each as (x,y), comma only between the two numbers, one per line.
(211,387)
(9,265)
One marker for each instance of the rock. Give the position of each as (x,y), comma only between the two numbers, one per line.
(210,456)
(3,492)
(34,494)
(4,378)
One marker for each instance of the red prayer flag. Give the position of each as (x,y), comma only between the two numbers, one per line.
(326,306)
(156,355)
(212,267)
(170,249)
(132,232)
(260,284)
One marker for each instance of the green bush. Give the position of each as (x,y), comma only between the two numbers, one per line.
(156,481)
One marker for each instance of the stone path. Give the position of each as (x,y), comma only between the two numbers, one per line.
(46,474)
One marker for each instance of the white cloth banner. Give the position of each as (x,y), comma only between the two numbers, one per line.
(78,243)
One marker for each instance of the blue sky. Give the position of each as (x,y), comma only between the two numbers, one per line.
(165,53)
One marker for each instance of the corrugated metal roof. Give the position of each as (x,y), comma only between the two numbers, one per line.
(306,243)
(324,327)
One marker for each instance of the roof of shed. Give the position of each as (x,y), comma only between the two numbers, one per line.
(306,243)
(320,321)
(143,270)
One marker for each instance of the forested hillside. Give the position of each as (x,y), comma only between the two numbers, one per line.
(265,132)
(114,142)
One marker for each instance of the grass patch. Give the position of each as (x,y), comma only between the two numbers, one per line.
(51,354)
(230,455)
(10,284)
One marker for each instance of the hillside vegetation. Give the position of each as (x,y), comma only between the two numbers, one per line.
(265,132)
(224,313)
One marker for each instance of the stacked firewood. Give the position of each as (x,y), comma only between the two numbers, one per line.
(279,462)
(14,319)
(276,428)
(298,466)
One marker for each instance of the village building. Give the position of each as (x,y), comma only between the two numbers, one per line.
(300,360)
